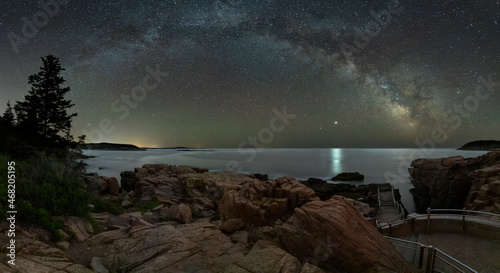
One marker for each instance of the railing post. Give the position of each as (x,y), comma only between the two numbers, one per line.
(428,220)
(379,204)
(431,253)
(412,225)
(421,257)
(463,222)
(390,229)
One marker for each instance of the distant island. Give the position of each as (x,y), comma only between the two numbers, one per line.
(109,146)
(481,145)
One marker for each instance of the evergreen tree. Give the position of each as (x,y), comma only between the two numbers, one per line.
(7,129)
(43,115)
(8,116)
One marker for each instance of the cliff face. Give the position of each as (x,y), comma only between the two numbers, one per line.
(439,183)
(484,175)
(456,183)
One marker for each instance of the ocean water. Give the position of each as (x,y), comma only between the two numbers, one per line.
(377,165)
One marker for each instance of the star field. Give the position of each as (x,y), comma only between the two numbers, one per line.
(374,73)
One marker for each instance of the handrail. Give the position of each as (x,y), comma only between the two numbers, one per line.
(453,259)
(392,192)
(464,210)
(405,241)
(432,252)
(451,210)
(435,250)
(378,196)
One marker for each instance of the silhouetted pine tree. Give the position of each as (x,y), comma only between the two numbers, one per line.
(7,129)
(43,116)
(8,119)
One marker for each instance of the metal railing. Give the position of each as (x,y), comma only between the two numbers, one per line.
(429,258)
(397,206)
(378,198)
(467,211)
(471,214)
(450,261)
(471,223)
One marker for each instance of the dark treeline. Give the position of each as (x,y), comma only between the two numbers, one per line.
(41,122)
(35,138)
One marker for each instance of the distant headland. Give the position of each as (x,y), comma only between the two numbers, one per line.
(109,146)
(130,147)
(481,145)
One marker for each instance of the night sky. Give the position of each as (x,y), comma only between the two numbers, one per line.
(374,73)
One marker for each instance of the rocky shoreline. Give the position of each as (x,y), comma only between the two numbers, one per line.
(457,183)
(213,222)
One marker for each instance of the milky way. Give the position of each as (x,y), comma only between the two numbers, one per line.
(381,73)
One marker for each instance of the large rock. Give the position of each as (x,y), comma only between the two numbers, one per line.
(36,256)
(333,235)
(266,258)
(113,186)
(128,180)
(198,247)
(323,189)
(180,213)
(261,203)
(354,176)
(439,183)
(232,225)
(160,182)
(96,185)
(80,227)
(97,266)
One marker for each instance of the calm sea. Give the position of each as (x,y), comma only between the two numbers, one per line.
(377,165)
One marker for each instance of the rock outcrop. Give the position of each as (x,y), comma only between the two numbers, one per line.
(81,228)
(36,256)
(333,235)
(484,194)
(439,183)
(261,203)
(266,257)
(235,196)
(456,183)
(164,248)
(353,176)
(220,222)
(366,193)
